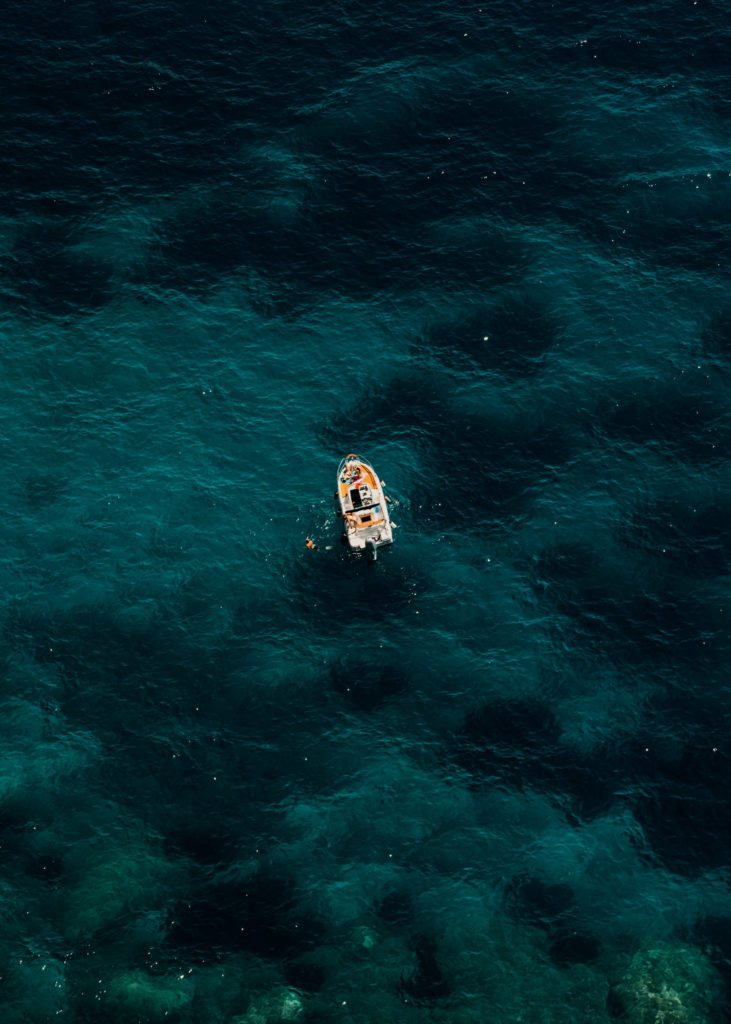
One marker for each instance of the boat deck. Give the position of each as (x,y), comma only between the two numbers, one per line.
(355,483)
(362,502)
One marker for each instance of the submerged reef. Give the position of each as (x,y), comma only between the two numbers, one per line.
(278,1006)
(668,984)
(138,995)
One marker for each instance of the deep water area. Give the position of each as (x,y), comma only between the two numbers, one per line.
(486,777)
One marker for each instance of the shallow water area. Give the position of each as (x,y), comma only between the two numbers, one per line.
(486,775)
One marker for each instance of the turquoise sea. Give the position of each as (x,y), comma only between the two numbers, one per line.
(486,778)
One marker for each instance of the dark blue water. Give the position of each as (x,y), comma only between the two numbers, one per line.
(486,778)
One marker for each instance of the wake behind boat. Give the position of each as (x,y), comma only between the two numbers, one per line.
(363,505)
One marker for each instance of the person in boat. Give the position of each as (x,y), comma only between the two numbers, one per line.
(350,471)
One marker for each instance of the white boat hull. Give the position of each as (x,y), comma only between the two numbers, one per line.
(362,505)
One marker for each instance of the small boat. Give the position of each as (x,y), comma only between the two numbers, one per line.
(363,505)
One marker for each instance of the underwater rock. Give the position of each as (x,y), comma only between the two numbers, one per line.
(34,986)
(363,938)
(111,878)
(278,1006)
(222,988)
(668,984)
(137,994)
